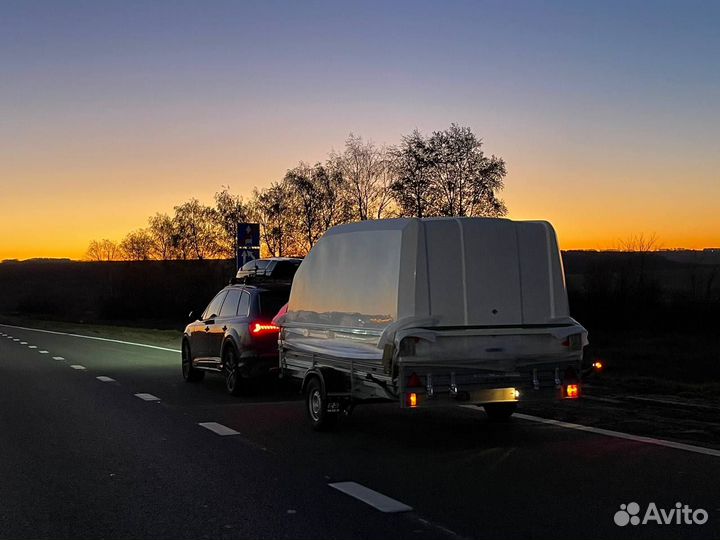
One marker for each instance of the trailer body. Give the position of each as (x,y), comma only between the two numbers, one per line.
(431,312)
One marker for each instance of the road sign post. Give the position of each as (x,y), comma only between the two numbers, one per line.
(247,243)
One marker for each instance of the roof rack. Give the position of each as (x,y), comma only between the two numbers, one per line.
(254,279)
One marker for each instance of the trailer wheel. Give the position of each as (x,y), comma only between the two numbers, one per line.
(498,412)
(316,405)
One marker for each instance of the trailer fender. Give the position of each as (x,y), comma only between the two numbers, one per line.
(331,380)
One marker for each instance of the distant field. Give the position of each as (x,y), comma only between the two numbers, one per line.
(652,317)
(148,336)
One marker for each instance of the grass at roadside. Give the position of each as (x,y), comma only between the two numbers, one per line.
(148,336)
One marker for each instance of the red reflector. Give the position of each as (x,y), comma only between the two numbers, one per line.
(414,381)
(572,391)
(566,343)
(260,328)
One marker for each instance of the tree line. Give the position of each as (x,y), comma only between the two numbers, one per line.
(445,173)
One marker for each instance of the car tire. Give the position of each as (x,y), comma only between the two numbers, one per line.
(500,412)
(190,373)
(316,405)
(233,380)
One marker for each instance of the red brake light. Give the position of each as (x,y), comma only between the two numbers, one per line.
(263,328)
(414,381)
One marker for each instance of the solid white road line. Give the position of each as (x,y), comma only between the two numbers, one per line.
(78,366)
(43,352)
(620,435)
(103,378)
(93,337)
(58,358)
(147,397)
(218,428)
(373,498)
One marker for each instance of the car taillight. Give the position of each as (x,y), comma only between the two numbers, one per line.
(257,328)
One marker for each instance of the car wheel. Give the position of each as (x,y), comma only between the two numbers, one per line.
(233,379)
(190,374)
(499,412)
(316,405)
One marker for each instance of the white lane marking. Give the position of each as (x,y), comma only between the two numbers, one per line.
(93,337)
(103,378)
(218,428)
(43,352)
(373,498)
(78,366)
(620,435)
(147,397)
(23,343)
(16,339)
(32,346)
(58,358)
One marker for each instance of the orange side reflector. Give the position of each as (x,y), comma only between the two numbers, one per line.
(598,365)
(412,400)
(572,391)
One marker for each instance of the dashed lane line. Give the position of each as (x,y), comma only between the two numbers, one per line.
(373,498)
(103,378)
(219,428)
(32,346)
(43,352)
(78,367)
(147,397)
(93,337)
(58,358)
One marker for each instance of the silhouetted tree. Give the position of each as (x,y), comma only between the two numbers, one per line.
(163,234)
(197,230)
(272,208)
(137,245)
(366,172)
(412,188)
(465,180)
(230,210)
(103,250)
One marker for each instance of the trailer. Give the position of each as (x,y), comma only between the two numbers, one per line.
(430,313)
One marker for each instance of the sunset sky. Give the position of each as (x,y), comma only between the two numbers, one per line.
(607,113)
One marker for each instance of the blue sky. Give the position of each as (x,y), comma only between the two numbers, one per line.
(166,100)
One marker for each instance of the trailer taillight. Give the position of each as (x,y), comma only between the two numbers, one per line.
(412,400)
(574,342)
(598,365)
(572,391)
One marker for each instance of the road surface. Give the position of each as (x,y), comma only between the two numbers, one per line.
(102,439)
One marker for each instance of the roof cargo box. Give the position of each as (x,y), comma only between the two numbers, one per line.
(443,272)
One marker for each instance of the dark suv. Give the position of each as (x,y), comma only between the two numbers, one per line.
(235,335)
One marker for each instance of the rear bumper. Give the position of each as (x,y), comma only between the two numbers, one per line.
(257,365)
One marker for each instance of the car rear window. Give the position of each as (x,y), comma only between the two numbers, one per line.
(271,302)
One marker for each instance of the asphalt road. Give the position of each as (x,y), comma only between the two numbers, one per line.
(87,458)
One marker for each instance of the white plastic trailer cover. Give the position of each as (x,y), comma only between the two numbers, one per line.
(380,276)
